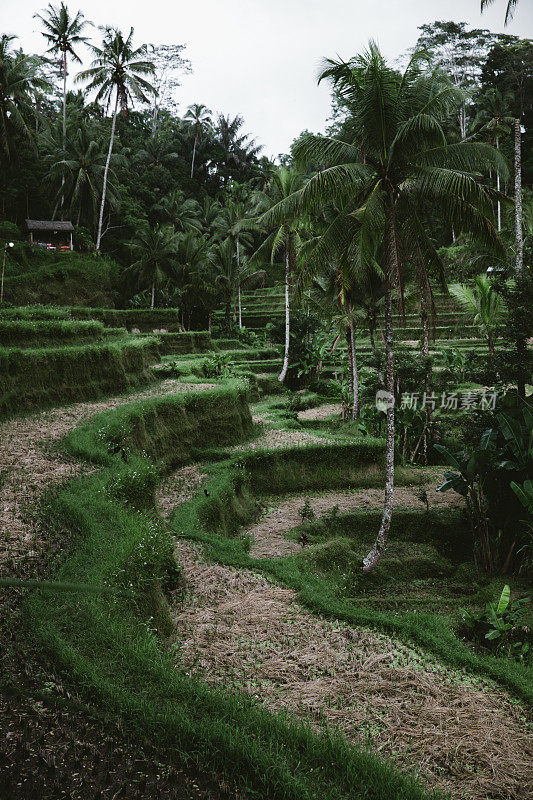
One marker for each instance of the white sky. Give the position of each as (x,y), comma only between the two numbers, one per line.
(260,58)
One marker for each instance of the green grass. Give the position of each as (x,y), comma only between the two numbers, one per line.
(47,333)
(166,429)
(144,319)
(34,378)
(109,648)
(76,278)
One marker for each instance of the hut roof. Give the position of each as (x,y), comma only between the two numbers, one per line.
(49,225)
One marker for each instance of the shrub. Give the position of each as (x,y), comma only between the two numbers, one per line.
(499,626)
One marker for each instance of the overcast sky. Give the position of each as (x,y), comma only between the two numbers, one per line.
(259,58)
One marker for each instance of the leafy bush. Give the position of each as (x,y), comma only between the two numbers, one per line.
(219,366)
(249,337)
(306,512)
(484,476)
(306,347)
(499,626)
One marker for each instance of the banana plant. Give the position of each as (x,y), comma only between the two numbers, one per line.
(524,494)
(500,623)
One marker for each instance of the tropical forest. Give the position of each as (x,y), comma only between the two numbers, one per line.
(266,422)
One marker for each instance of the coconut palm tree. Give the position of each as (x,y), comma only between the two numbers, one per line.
(18,80)
(200,118)
(398,125)
(221,258)
(233,222)
(483,303)
(183,213)
(283,237)
(117,68)
(191,262)
(63,33)
(78,174)
(511,5)
(156,249)
(495,122)
(332,297)
(237,150)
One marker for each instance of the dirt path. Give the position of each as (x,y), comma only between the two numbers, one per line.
(271,437)
(27,467)
(238,630)
(320,412)
(268,532)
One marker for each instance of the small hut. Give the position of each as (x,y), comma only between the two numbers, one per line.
(51,234)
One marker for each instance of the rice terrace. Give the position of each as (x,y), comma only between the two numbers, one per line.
(266,423)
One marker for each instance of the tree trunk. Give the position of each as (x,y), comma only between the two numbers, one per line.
(106,170)
(425,322)
(239,287)
(350,364)
(499,205)
(153,294)
(228,315)
(519,233)
(64,125)
(283,373)
(193,155)
(355,374)
(370,560)
(2,282)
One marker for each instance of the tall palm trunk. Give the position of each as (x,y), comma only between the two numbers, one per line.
(424,318)
(153,294)
(239,287)
(193,154)
(519,233)
(64,140)
(355,373)
(284,369)
(370,560)
(350,365)
(106,171)
(499,205)
(228,315)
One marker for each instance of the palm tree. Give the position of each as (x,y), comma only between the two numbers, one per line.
(238,151)
(222,260)
(18,80)
(191,259)
(63,32)
(77,173)
(183,213)
(209,213)
(483,303)
(511,5)
(117,67)
(284,237)
(233,222)
(200,118)
(332,296)
(156,250)
(496,122)
(398,125)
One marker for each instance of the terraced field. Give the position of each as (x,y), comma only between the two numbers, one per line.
(193,617)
